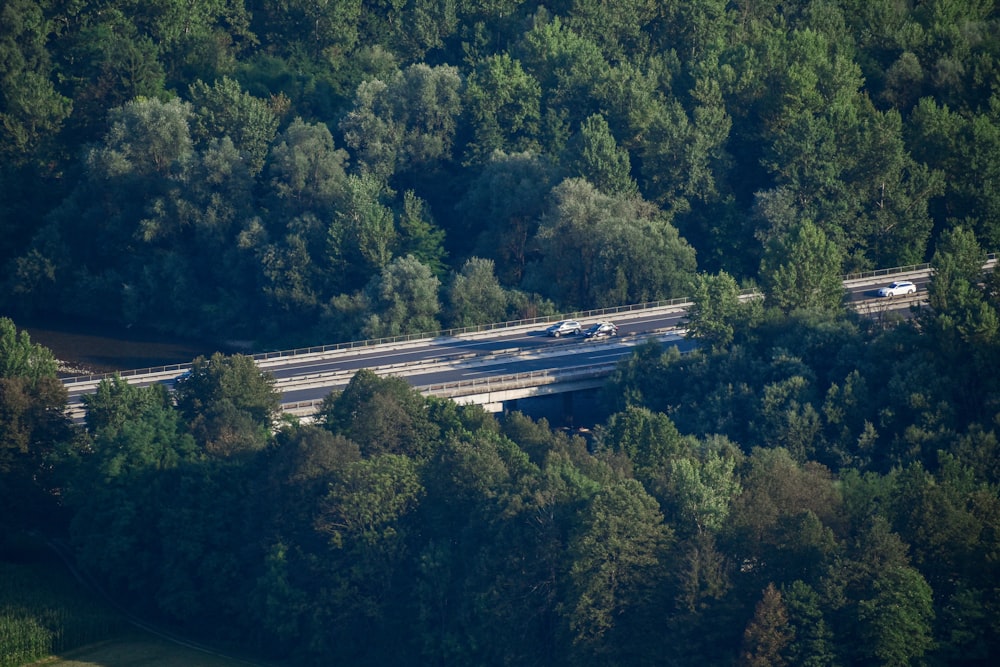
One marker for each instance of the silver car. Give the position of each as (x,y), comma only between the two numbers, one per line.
(564,328)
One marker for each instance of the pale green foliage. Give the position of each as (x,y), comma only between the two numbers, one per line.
(404,298)
(715,309)
(475,296)
(406,122)
(704,489)
(225,110)
(145,138)
(306,169)
(20,358)
(599,250)
(363,233)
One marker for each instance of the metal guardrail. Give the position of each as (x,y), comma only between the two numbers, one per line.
(991,259)
(496,326)
(485,384)
(374,342)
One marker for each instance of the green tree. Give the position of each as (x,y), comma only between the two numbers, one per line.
(380,414)
(964,146)
(307,171)
(420,236)
(224,109)
(717,310)
(620,30)
(316,28)
(958,269)
(405,123)
(229,404)
(768,634)
(782,520)
(897,622)
(33,425)
(595,156)
(404,298)
(364,518)
(475,296)
(802,271)
(616,570)
(146,137)
(703,490)
(363,234)
(115,402)
(502,101)
(812,638)
(623,250)
(116,493)
(568,66)
(31,109)
(20,358)
(683,156)
(502,207)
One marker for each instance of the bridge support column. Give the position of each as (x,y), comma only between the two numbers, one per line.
(568,408)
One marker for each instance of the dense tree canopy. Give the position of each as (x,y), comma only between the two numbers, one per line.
(248,168)
(804,487)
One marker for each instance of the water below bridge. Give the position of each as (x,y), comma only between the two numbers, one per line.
(89,347)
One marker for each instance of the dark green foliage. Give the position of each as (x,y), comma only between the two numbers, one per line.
(32,427)
(382,415)
(801,489)
(229,404)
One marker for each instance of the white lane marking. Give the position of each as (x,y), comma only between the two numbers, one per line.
(443,349)
(608,356)
(492,371)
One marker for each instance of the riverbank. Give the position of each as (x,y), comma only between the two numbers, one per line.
(87,347)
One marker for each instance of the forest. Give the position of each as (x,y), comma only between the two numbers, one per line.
(808,487)
(292,172)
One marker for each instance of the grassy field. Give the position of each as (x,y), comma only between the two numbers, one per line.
(139,650)
(44,611)
(48,618)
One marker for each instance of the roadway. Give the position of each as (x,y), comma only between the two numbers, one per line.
(309,375)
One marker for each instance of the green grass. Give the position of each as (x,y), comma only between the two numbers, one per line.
(43,611)
(48,618)
(140,650)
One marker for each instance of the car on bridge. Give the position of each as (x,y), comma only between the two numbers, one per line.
(898,288)
(564,328)
(601,329)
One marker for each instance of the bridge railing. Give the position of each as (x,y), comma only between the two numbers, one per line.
(482,385)
(991,259)
(496,326)
(455,331)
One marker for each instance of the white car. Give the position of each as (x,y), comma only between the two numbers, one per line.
(898,288)
(564,328)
